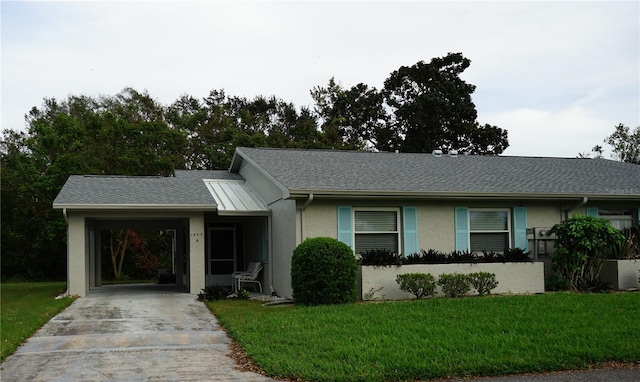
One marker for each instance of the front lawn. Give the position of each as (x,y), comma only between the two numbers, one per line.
(434,338)
(25,307)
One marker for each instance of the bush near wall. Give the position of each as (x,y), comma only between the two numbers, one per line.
(432,256)
(323,271)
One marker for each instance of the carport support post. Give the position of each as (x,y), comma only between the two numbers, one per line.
(196,253)
(77,256)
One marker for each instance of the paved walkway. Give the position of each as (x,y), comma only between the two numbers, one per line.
(128,333)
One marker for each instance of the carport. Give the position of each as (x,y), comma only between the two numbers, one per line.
(218,223)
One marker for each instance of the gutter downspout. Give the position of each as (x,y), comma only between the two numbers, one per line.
(582,203)
(66,217)
(304,207)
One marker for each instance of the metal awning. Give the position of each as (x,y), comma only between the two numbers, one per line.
(234,197)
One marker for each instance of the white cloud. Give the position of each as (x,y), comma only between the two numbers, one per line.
(557,63)
(565,133)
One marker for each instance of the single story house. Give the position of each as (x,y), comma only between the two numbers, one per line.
(270,200)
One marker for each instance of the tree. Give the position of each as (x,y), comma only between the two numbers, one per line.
(124,134)
(432,108)
(354,118)
(582,245)
(625,143)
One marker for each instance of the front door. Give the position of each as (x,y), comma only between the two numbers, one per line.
(221,255)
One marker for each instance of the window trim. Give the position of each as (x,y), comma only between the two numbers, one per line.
(509,231)
(399,228)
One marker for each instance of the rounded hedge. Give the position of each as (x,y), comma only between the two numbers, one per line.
(323,271)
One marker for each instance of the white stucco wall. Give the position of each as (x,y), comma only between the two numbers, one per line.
(513,278)
(622,274)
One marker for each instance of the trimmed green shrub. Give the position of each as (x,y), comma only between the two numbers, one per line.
(483,282)
(380,257)
(242,294)
(556,283)
(432,256)
(418,284)
(323,272)
(454,284)
(214,292)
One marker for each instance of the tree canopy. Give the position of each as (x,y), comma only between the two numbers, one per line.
(422,107)
(624,143)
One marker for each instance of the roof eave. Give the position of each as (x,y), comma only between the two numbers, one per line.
(145,207)
(457,195)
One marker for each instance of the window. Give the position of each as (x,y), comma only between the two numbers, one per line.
(619,218)
(489,230)
(376,229)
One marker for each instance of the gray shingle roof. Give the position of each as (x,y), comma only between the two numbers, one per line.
(352,171)
(185,189)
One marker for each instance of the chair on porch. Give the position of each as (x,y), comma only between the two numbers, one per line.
(248,276)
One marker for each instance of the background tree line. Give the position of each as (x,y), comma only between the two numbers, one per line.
(420,108)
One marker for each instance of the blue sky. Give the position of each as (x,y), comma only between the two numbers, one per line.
(557,75)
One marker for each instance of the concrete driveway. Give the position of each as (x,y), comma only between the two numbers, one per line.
(128,333)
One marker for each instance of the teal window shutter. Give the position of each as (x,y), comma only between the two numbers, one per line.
(462,228)
(520,228)
(345,225)
(410,230)
(592,211)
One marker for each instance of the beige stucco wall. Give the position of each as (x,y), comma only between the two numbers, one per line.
(435,228)
(379,283)
(77,257)
(196,253)
(435,219)
(268,191)
(283,242)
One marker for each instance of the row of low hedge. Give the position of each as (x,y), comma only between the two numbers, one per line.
(453,284)
(431,256)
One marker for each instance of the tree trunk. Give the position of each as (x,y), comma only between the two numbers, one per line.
(117,253)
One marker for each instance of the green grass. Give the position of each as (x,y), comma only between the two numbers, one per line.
(434,338)
(24,308)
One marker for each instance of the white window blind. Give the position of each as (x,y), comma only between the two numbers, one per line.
(376,230)
(481,220)
(619,218)
(489,230)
